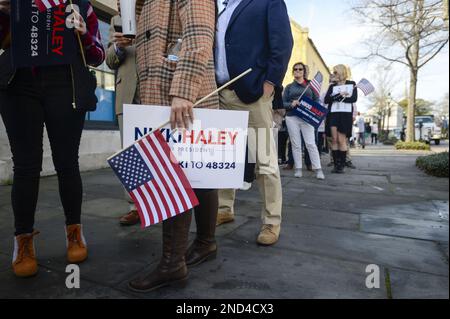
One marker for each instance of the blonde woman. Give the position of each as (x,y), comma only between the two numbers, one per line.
(340,99)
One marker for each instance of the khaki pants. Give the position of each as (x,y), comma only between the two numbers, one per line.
(127,195)
(262,150)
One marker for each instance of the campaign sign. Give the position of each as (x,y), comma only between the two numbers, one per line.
(211,152)
(311,112)
(41,38)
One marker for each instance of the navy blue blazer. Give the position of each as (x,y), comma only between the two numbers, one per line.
(259,36)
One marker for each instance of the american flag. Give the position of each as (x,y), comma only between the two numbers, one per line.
(366,86)
(48,4)
(154,180)
(316,83)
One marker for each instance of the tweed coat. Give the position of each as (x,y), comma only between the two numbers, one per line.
(161,24)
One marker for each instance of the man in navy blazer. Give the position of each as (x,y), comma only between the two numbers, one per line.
(254,34)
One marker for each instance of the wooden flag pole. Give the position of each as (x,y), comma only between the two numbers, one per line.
(307,87)
(195,105)
(79,38)
(212,93)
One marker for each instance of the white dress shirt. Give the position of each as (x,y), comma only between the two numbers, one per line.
(225,14)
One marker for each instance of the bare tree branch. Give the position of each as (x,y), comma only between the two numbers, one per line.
(409,32)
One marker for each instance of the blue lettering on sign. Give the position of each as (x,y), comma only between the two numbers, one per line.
(170,135)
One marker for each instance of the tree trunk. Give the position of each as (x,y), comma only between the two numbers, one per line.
(413,58)
(410,126)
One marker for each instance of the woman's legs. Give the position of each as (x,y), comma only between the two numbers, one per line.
(204,247)
(293,125)
(172,269)
(342,141)
(335,138)
(64,127)
(23,117)
(310,142)
(339,148)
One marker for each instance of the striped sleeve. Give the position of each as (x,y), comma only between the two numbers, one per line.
(93,47)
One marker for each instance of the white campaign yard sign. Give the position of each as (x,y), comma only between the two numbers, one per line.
(211,152)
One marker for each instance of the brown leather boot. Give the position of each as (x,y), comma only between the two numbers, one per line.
(171,270)
(24,260)
(76,244)
(204,247)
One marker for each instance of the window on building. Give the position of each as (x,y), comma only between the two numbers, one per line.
(104,117)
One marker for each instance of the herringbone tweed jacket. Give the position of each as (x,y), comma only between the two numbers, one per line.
(161,24)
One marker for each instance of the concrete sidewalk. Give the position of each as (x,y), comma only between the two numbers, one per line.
(386,213)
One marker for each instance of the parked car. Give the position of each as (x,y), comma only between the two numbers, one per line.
(427,130)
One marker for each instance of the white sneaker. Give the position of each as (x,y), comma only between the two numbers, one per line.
(298,173)
(246,186)
(320,174)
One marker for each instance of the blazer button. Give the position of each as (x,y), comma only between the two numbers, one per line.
(147,35)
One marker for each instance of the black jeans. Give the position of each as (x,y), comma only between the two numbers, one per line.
(283,137)
(35,99)
(374,138)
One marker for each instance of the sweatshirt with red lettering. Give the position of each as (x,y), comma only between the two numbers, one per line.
(93,47)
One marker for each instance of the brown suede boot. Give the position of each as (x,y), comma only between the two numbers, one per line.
(24,260)
(171,269)
(76,244)
(204,247)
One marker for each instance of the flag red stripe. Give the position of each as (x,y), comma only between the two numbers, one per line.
(40,5)
(159,177)
(171,168)
(172,179)
(139,209)
(164,180)
(158,208)
(45,5)
(150,211)
(147,206)
(178,170)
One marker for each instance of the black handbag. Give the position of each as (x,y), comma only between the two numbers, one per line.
(84,86)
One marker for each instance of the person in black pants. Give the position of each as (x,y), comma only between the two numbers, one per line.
(56,97)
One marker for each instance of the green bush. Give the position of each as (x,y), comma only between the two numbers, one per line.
(419,146)
(435,165)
